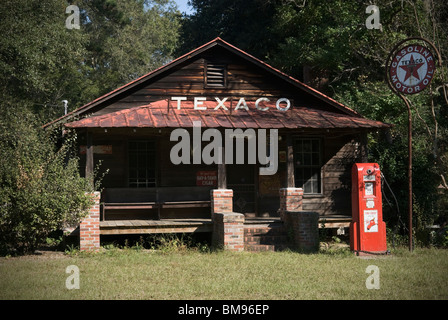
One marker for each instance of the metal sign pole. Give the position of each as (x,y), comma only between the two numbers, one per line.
(412,82)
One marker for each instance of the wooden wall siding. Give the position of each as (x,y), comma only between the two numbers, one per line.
(117,172)
(339,155)
(188,81)
(177,175)
(116,162)
(151,214)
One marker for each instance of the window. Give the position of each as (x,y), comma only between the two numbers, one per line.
(215,75)
(307,159)
(142,164)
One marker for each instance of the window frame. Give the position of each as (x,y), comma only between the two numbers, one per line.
(148,181)
(318,166)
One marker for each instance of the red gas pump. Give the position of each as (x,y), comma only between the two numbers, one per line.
(367,229)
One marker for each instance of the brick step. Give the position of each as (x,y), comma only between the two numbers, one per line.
(278,239)
(270,236)
(277,229)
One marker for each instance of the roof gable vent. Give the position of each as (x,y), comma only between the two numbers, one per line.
(215,75)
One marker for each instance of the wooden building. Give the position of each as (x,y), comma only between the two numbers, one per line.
(128,130)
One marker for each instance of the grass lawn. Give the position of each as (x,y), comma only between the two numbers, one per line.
(189,274)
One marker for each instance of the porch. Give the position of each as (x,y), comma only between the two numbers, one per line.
(232,230)
(254,233)
(146,193)
(194,225)
(188,210)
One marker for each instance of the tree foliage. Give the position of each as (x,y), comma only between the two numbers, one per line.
(41,189)
(42,62)
(125,40)
(245,23)
(39,57)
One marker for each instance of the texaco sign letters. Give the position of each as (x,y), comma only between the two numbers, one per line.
(412,69)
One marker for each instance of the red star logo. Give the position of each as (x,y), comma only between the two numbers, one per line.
(411,69)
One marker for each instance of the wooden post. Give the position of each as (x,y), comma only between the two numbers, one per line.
(89,158)
(363,142)
(290,183)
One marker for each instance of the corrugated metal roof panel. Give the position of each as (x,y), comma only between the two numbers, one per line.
(161,115)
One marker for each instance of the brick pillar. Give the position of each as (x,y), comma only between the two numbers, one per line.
(228,226)
(228,231)
(290,200)
(221,200)
(90,226)
(305,227)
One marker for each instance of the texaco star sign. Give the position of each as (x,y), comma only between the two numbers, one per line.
(412,69)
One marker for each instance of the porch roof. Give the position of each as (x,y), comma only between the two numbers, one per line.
(164,114)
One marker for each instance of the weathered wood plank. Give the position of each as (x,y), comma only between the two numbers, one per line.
(290,162)
(155,226)
(89,158)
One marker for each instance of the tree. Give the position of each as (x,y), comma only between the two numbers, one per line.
(41,63)
(244,23)
(39,58)
(125,40)
(368,93)
(41,188)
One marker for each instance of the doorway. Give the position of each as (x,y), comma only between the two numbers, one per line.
(241,178)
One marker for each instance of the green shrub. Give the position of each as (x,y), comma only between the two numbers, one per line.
(40,187)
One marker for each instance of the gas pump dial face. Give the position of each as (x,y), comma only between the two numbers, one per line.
(370,204)
(369,189)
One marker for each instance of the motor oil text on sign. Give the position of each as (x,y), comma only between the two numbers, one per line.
(282,104)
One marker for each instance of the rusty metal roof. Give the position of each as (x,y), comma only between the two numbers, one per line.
(164,114)
(189,56)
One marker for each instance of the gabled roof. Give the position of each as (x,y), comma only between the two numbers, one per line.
(191,55)
(164,114)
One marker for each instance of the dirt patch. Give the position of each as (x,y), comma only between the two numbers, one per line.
(38,255)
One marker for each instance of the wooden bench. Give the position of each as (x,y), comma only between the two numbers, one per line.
(128,199)
(154,198)
(184,197)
